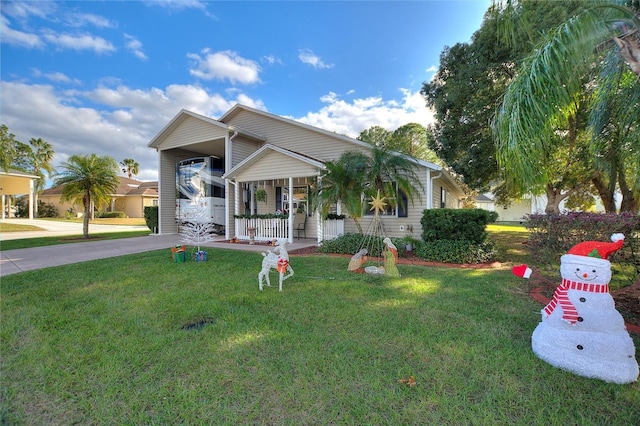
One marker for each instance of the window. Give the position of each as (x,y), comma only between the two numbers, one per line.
(300,199)
(443,197)
(400,209)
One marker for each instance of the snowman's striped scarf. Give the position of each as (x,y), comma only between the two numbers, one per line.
(561,296)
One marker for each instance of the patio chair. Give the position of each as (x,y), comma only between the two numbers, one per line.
(300,225)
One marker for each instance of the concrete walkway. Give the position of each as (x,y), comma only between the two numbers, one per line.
(20,260)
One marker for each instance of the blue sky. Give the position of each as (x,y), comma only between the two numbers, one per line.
(105,77)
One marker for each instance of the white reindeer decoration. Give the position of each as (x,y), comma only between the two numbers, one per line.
(277,259)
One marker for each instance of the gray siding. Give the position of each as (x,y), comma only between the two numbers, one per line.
(241,149)
(192,130)
(275,165)
(290,136)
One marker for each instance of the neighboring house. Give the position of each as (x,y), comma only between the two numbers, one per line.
(516,211)
(131,197)
(255,151)
(15,182)
(529,204)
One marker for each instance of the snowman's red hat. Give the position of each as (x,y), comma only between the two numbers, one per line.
(598,249)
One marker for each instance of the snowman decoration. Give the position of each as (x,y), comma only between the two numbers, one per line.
(581,331)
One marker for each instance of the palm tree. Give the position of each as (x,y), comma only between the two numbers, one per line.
(130,167)
(356,177)
(90,179)
(595,52)
(41,156)
(342,182)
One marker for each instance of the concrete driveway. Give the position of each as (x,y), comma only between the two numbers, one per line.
(20,260)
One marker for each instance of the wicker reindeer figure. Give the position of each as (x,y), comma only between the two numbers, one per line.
(277,259)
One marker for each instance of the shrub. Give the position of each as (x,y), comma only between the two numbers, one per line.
(551,236)
(112,215)
(456,224)
(456,251)
(151,218)
(47,210)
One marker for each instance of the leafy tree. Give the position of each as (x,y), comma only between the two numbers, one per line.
(376,136)
(90,179)
(7,147)
(130,167)
(582,55)
(471,80)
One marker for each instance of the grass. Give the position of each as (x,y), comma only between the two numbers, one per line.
(18,227)
(67,239)
(118,341)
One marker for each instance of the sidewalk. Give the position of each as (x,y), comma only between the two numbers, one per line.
(20,260)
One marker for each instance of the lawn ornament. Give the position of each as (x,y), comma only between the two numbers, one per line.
(277,259)
(375,243)
(581,331)
(357,260)
(390,258)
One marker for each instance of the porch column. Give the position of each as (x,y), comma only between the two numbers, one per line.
(31,199)
(319,218)
(3,206)
(291,212)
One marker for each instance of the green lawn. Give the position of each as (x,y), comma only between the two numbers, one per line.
(109,342)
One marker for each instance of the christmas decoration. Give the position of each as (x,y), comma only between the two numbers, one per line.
(581,331)
(199,229)
(277,259)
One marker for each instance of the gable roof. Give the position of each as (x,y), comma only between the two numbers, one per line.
(237,108)
(183,115)
(266,150)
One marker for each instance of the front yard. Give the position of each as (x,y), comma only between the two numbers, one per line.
(142,340)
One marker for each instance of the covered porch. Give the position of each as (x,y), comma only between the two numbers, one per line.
(271,193)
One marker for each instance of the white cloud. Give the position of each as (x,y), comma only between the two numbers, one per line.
(18,38)
(306,56)
(79,42)
(431,69)
(135,46)
(351,118)
(224,65)
(121,124)
(56,77)
(271,60)
(83,19)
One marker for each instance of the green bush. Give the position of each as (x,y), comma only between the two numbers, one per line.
(551,236)
(112,215)
(456,251)
(350,243)
(456,224)
(262,216)
(151,218)
(47,210)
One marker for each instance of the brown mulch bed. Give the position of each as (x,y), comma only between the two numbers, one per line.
(627,300)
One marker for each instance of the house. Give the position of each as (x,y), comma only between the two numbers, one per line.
(15,182)
(131,197)
(255,152)
(514,212)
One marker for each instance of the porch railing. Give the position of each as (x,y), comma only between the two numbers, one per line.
(333,228)
(264,229)
(269,229)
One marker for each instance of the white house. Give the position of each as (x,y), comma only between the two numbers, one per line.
(259,152)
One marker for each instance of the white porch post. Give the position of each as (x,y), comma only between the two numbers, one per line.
(291,212)
(31,189)
(429,190)
(318,216)
(3,206)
